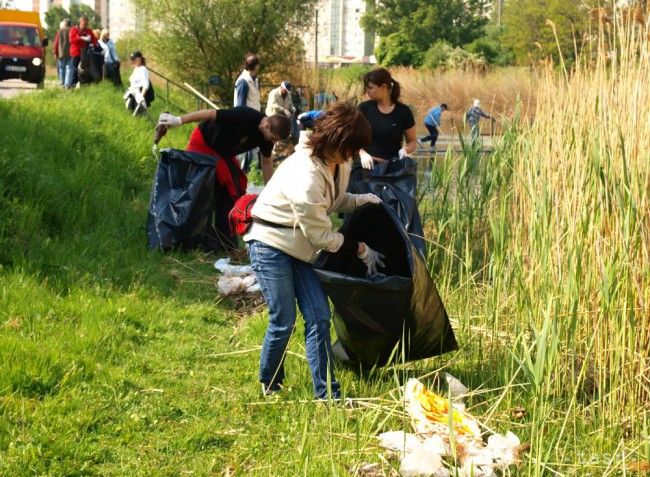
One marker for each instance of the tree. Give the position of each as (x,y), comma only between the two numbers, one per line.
(56,14)
(528,34)
(195,39)
(408,28)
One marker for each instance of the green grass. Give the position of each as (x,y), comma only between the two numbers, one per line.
(119,361)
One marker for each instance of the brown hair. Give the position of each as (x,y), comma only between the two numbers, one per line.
(382,76)
(341,128)
(280,125)
(251,61)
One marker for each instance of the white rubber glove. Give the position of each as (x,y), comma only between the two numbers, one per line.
(302,115)
(372,259)
(402,153)
(363,199)
(85,38)
(169,120)
(366,160)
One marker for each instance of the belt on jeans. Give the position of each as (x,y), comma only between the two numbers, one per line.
(257,220)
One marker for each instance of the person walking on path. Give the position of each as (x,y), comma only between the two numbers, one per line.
(432,122)
(391,121)
(80,38)
(291,224)
(473,117)
(111,70)
(247,93)
(62,53)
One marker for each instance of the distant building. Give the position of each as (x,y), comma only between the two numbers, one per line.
(336,35)
(119,16)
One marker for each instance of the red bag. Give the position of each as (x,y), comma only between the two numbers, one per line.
(240,218)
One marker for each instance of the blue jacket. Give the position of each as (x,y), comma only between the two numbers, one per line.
(433,117)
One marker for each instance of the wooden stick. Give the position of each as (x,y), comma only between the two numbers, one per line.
(203,98)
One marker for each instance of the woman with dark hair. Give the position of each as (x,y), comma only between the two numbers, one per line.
(391,121)
(140,93)
(291,225)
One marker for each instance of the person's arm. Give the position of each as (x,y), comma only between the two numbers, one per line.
(241,89)
(75,38)
(198,116)
(484,114)
(267,168)
(310,211)
(113,50)
(93,38)
(171,121)
(411,141)
(55,50)
(145,80)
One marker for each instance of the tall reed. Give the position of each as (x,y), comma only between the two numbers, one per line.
(550,239)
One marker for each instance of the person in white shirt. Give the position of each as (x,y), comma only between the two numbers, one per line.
(111,60)
(140,93)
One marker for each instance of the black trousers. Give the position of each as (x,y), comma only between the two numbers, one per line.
(433,135)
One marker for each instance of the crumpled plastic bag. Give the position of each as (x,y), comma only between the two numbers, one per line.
(236,278)
(422,453)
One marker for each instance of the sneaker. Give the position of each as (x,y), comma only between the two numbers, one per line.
(270,390)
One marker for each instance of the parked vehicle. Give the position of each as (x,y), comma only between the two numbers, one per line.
(22,46)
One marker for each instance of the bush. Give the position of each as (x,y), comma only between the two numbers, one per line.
(443,55)
(397,49)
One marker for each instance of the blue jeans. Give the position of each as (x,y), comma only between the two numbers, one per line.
(64,70)
(71,73)
(285,280)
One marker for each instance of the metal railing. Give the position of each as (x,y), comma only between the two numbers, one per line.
(169,82)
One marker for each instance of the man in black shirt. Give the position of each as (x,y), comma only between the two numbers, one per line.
(229,132)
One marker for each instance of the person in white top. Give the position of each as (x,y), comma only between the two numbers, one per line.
(247,93)
(111,60)
(140,93)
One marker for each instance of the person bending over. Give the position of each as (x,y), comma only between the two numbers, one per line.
(223,134)
(228,132)
(432,122)
(291,224)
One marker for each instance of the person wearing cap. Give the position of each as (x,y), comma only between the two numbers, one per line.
(432,122)
(80,38)
(140,93)
(473,116)
(279,101)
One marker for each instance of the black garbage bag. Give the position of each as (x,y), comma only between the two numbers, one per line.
(188,208)
(395,316)
(395,182)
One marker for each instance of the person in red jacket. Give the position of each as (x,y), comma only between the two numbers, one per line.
(80,37)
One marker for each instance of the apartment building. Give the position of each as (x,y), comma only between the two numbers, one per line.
(119,16)
(336,37)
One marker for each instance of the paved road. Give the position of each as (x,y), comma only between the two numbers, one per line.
(11,88)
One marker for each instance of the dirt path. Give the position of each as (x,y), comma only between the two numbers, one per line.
(12,88)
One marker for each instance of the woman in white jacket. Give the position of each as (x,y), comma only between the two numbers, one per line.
(138,97)
(291,225)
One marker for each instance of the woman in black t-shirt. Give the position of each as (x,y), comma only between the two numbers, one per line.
(391,121)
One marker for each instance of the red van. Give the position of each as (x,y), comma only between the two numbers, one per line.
(22,46)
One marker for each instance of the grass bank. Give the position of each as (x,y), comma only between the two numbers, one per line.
(119,361)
